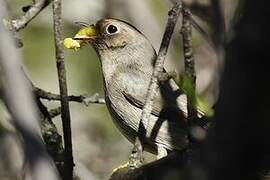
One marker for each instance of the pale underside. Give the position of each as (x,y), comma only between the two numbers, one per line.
(125,97)
(127,72)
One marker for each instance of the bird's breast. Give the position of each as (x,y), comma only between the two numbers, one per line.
(125,115)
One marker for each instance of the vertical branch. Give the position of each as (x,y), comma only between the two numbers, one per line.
(187,42)
(190,75)
(51,137)
(158,68)
(65,113)
(20,103)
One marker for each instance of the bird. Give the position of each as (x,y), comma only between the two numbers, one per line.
(127,61)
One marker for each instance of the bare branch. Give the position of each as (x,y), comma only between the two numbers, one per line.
(51,137)
(21,22)
(186,32)
(170,167)
(200,9)
(190,74)
(65,112)
(20,102)
(82,99)
(172,19)
(211,14)
(94,99)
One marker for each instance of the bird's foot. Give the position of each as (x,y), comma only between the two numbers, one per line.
(136,157)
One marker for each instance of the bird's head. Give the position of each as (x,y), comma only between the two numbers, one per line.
(115,34)
(114,38)
(119,46)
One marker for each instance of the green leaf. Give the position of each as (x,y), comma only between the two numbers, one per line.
(187,86)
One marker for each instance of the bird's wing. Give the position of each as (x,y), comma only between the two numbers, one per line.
(168,101)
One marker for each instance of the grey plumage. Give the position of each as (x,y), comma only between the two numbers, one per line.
(127,60)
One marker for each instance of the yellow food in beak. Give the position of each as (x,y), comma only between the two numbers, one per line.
(84,35)
(70,43)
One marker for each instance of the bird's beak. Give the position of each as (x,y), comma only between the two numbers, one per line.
(85,35)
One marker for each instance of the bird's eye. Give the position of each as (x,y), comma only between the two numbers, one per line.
(111,29)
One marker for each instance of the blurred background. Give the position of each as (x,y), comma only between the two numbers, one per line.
(98,145)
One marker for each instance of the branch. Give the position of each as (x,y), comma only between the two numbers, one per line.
(170,167)
(65,113)
(202,11)
(186,32)
(22,108)
(211,13)
(21,22)
(51,137)
(190,75)
(146,112)
(94,99)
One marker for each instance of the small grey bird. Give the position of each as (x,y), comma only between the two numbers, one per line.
(127,60)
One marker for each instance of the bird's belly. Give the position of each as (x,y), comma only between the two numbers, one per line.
(160,132)
(128,127)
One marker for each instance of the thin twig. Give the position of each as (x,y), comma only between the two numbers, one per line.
(23,108)
(146,112)
(189,61)
(65,112)
(201,9)
(51,137)
(21,22)
(212,15)
(94,99)
(203,12)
